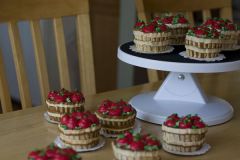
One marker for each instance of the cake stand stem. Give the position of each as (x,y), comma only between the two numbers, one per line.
(181,87)
(181,93)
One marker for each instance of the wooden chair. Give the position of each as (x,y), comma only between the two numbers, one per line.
(147,8)
(14,11)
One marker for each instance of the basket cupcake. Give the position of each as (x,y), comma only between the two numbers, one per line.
(227,30)
(53,152)
(178,25)
(116,117)
(79,130)
(183,134)
(202,42)
(63,102)
(151,38)
(136,146)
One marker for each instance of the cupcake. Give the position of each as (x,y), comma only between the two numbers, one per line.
(202,42)
(227,30)
(183,134)
(178,25)
(63,102)
(55,153)
(135,146)
(116,117)
(79,130)
(153,37)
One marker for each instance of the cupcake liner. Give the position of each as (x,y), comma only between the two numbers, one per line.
(172,137)
(82,146)
(82,136)
(219,58)
(176,148)
(195,54)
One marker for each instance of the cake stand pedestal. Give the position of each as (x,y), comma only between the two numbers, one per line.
(180,92)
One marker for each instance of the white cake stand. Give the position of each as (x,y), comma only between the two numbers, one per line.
(180,92)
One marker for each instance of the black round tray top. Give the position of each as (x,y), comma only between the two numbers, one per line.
(173,56)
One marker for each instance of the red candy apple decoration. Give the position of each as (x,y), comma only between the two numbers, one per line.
(137,142)
(65,96)
(79,120)
(120,108)
(52,152)
(188,121)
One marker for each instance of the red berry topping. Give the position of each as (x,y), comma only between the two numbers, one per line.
(79,120)
(65,96)
(199,124)
(84,123)
(149,28)
(170,123)
(139,24)
(184,122)
(127,109)
(137,142)
(77,97)
(182,20)
(115,112)
(119,108)
(136,145)
(167,20)
(72,123)
(54,153)
(65,119)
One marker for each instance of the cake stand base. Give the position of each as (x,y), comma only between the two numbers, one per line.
(215,111)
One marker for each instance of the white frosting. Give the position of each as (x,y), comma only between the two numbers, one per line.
(203,40)
(179,25)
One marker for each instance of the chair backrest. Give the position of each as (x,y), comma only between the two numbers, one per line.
(14,11)
(147,8)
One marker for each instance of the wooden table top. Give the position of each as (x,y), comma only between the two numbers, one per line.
(22,131)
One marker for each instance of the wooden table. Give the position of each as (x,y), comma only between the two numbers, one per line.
(25,130)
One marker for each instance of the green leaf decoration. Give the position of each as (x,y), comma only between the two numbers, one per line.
(151,148)
(64,126)
(93,125)
(120,136)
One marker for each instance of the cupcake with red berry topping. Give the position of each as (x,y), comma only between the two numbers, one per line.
(116,117)
(53,152)
(227,30)
(183,134)
(136,146)
(79,130)
(153,37)
(178,25)
(203,42)
(62,102)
